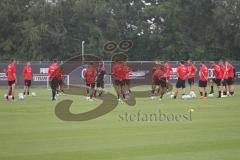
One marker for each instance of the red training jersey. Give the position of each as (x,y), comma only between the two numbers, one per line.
(168,69)
(191,71)
(90,74)
(59,73)
(118,72)
(11,71)
(224,72)
(182,72)
(217,71)
(230,71)
(127,71)
(157,66)
(27,73)
(203,74)
(53,71)
(158,72)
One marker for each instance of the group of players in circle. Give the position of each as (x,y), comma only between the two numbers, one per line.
(95,76)
(224,75)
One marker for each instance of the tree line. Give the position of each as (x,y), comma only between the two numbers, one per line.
(165,29)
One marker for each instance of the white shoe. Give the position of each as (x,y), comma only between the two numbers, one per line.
(211,95)
(152,97)
(224,96)
(120,100)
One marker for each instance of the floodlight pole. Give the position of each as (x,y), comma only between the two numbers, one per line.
(83,42)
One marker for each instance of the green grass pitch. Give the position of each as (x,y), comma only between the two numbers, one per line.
(29,130)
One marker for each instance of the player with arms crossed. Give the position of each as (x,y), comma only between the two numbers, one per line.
(191,68)
(12,79)
(181,82)
(203,80)
(27,74)
(90,76)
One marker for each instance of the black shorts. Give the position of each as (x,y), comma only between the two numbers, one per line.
(60,82)
(27,83)
(202,84)
(156,82)
(217,81)
(10,83)
(54,83)
(230,81)
(163,82)
(181,83)
(126,81)
(91,85)
(224,82)
(119,82)
(100,84)
(191,81)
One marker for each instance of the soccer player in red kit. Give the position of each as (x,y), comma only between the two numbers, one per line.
(191,69)
(90,76)
(53,78)
(155,79)
(118,76)
(161,76)
(168,70)
(181,82)
(230,75)
(224,78)
(11,74)
(126,79)
(203,79)
(218,78)
(27,74)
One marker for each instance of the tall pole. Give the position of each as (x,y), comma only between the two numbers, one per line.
(83,42)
